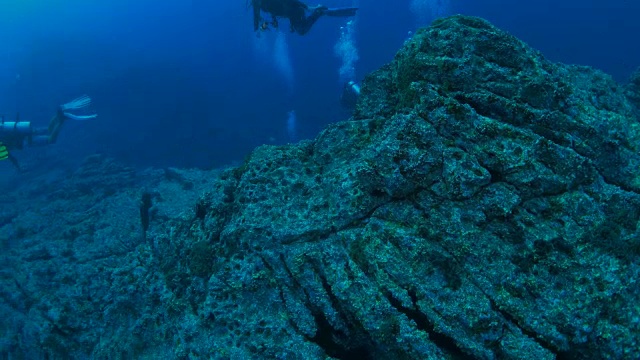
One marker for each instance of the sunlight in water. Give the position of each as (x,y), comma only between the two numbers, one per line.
(291,126)
(283,59)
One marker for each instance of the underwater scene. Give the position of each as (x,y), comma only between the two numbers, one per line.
(349,179)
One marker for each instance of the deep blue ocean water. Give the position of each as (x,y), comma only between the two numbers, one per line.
(189,83)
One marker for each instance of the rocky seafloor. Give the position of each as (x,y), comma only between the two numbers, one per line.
(482,203)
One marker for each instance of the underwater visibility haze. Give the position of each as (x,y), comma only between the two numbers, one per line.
(190,84)
(442,179)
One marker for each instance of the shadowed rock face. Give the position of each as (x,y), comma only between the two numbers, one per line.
(483,204)
(633,89)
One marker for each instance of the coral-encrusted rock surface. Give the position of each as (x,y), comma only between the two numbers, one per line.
(483,203)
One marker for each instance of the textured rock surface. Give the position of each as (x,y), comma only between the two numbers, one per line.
(483,204)
(633,89)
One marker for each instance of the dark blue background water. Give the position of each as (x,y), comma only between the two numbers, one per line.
(188,83)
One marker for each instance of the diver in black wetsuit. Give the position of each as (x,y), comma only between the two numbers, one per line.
(301,16)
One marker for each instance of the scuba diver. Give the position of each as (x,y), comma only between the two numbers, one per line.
(14,134)
(296,11)
(350,95)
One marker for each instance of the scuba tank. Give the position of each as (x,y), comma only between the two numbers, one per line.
(15,127)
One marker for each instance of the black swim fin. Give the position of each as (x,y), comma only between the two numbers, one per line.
(341,12)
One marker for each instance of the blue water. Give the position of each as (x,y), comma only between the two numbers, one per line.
(188,83)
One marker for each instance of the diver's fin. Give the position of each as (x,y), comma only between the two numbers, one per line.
(341,12)
(79,117)
(78,103)
(4,153)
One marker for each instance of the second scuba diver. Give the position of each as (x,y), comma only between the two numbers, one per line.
(301,16)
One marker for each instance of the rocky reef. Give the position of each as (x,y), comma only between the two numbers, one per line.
(482,203)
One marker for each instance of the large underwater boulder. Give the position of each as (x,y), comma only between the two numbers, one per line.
(483,203)
(633,89)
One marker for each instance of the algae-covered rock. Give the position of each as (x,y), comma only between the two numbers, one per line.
(483,203)
(633,88)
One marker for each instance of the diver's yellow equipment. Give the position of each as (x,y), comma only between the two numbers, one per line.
(4,153)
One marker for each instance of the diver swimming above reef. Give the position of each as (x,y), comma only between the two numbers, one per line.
(301,16)
(14,134)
